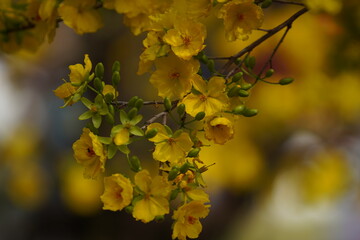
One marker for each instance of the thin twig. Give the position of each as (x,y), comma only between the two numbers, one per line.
(260,40)
(289,2)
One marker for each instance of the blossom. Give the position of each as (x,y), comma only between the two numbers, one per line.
(187,222)
(89,152)
(110,89)
(240,18)
(173,76)
(170,148)
(155,193)
(330,6)
(65,91)
(80,15)
(122,136)
(219,129)
(118,192)
(78,72)
(210,99)
(186,38)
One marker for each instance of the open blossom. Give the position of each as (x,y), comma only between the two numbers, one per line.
(80,15)
(187,222)
(78,72)
(210,99)
(170,148)
(118,192)
(89,152)
(240,18)
(219,129)
(173,76)
(186,38)
(155,200)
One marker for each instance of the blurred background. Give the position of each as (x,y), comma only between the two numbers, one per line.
(291,172)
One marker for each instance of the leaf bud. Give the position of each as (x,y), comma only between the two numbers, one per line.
(116,66)
(286,81)
(181,109)
(99,70)
(151,133)
(115,78)
(134,163)
(194,152)
(249,112)
(269,73)
(199,116)
(167,104)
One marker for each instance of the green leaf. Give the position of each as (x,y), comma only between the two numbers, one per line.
(132,113)
(168,130)
(96,120)
(111,151)
(105,140)
(123,117)
(135,130)
(124,149)
(86,115)
(99,99)
(136,119)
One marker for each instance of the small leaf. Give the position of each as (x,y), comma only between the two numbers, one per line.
(136,119)
(124,149)
(123,117)
(86,115)
(105,140)
(96,120)
(135,130)
(111,151)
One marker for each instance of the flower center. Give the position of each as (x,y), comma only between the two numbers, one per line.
(174,75)
(118,194)
(203,98)
(191,219)
(171,141)
(186,40)
(240,16)
(90,152)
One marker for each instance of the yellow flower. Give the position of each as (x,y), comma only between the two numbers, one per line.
(154,202)
(186,38)
(211,98)
(173,76)
(89,152)
(110,89)
(170,148)
(122,136)
(240,18)
(78,72)
(64,91)
(219,129)
(118,192)
(80,15)
(193,9)
(187,222)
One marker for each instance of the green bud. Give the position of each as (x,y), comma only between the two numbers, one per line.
(203,58)
(116,66)
(250,112)
(239,109)
(266,3)
(211,65)
(246,86)
(99,70)
(269,73)
(167,104)
(151,133)
(173,173)
(98,84)
(129,209)
(109,97)
(237,76)
(243,93)
(194,152)
(111,109)
(134,163)
(286,81)
(250,62)
(181,109)
(132,101)
(76,97)
(139,103)
(233,92)
(115,78)
(199,116)
(132,113)
(185,167)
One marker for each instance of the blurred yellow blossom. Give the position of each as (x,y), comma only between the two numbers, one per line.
(330,6)
(219,129)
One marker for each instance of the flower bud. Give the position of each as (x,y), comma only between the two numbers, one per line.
(184,167)
(167,104)
(199,116)
(134,163)
(109,97)
(115,78)
(98,84)
(132,113)
(139,103)
(243,93)
(116,66)
(181,109)
(246,86)
(237,76)
(194,152)
(233,92)
(151,133)
(286,81)
(250,62)
(99,70)
(173,173)
(239,109)
(269,73)
(249,112)
(132,101)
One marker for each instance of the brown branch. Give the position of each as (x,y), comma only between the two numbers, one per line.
(260,40)
(289,2)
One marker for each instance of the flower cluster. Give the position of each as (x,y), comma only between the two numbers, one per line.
(203,107)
